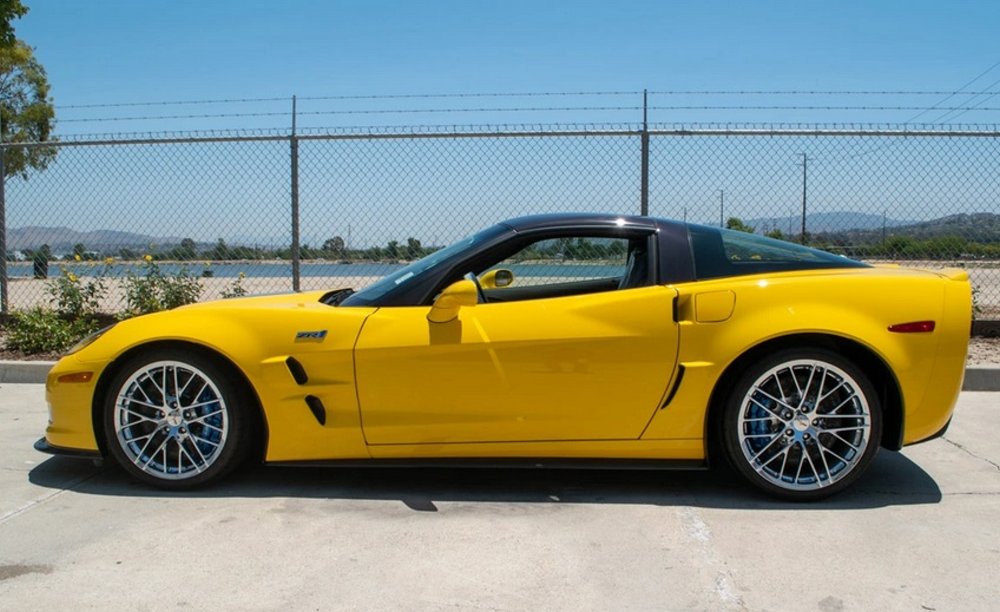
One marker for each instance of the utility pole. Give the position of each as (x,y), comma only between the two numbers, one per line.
(884,213)
(722,204)
(805,166)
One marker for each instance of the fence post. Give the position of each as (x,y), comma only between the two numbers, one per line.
(805,166)
(644,187)
(4,303)
(296,281)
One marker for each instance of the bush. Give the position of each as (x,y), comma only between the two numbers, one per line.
(75,298)
(41,330)
(153,291)
(236,288)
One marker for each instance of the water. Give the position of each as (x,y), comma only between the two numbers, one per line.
(283,269)
(257,269)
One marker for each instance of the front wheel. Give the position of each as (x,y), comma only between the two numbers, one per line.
(175,420)
(802,424)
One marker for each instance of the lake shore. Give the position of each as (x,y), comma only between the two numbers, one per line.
(26,293)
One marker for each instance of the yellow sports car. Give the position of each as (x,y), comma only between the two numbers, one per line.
(573,339)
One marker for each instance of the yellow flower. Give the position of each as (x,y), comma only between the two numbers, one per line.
(72,277)
(76,257)
(109,260)
(148,258)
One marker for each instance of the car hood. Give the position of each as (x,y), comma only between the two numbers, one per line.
(277,300)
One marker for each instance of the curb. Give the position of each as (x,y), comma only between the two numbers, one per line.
(982,377)
(33,372)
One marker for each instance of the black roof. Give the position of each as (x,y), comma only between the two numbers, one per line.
(554,220)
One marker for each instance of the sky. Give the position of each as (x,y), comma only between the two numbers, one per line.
(127,66)
(123,51)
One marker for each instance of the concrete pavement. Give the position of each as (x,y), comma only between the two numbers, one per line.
(919,532)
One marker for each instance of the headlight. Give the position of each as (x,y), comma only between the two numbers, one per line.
(82,344)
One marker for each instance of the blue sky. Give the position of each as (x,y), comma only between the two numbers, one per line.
(127,51)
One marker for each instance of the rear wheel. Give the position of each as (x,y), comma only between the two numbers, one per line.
(802,424)
(174,419)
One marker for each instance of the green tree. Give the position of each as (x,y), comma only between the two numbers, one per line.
(26,111)
(335,246)
(776,233)
(392,249)
(414,250)
(186,250)
(220,252)
(9,11)
(735,223)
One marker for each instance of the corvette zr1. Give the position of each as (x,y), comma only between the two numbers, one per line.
(572,339)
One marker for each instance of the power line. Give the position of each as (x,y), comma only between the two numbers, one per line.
(954,93)
(950,115)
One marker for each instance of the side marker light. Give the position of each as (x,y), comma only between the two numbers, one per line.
(914,327)
(76,377)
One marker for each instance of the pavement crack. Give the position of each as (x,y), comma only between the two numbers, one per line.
(724,584)
(995,465)
(41,500)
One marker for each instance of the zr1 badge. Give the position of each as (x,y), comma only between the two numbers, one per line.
(310,336)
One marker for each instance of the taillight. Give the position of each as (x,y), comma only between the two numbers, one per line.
(913,327)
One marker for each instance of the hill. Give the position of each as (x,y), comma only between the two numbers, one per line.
(63,239)
(973,227)
(826,222)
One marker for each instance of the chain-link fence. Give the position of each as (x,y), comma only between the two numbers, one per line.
(276,212)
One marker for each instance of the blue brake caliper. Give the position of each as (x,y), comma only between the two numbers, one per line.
(759,427)
(209,434)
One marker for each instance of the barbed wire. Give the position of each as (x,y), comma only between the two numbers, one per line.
(158,117)
(898,129)
(417,111)
(415,96)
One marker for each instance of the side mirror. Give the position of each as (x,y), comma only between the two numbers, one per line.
(458,294)
(497,279)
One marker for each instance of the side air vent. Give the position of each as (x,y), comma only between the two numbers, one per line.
(298,372)
(317,408)
(673,390)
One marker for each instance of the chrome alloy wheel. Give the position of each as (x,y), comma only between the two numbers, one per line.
(171,420)
(804,425)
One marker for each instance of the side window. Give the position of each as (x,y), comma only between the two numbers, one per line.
(722,252)
(570,265)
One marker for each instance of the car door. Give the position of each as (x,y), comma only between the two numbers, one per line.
(559,365)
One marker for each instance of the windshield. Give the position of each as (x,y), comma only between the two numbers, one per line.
(413,272)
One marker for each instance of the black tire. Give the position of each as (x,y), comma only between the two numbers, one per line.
(177,440)
(802,424)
